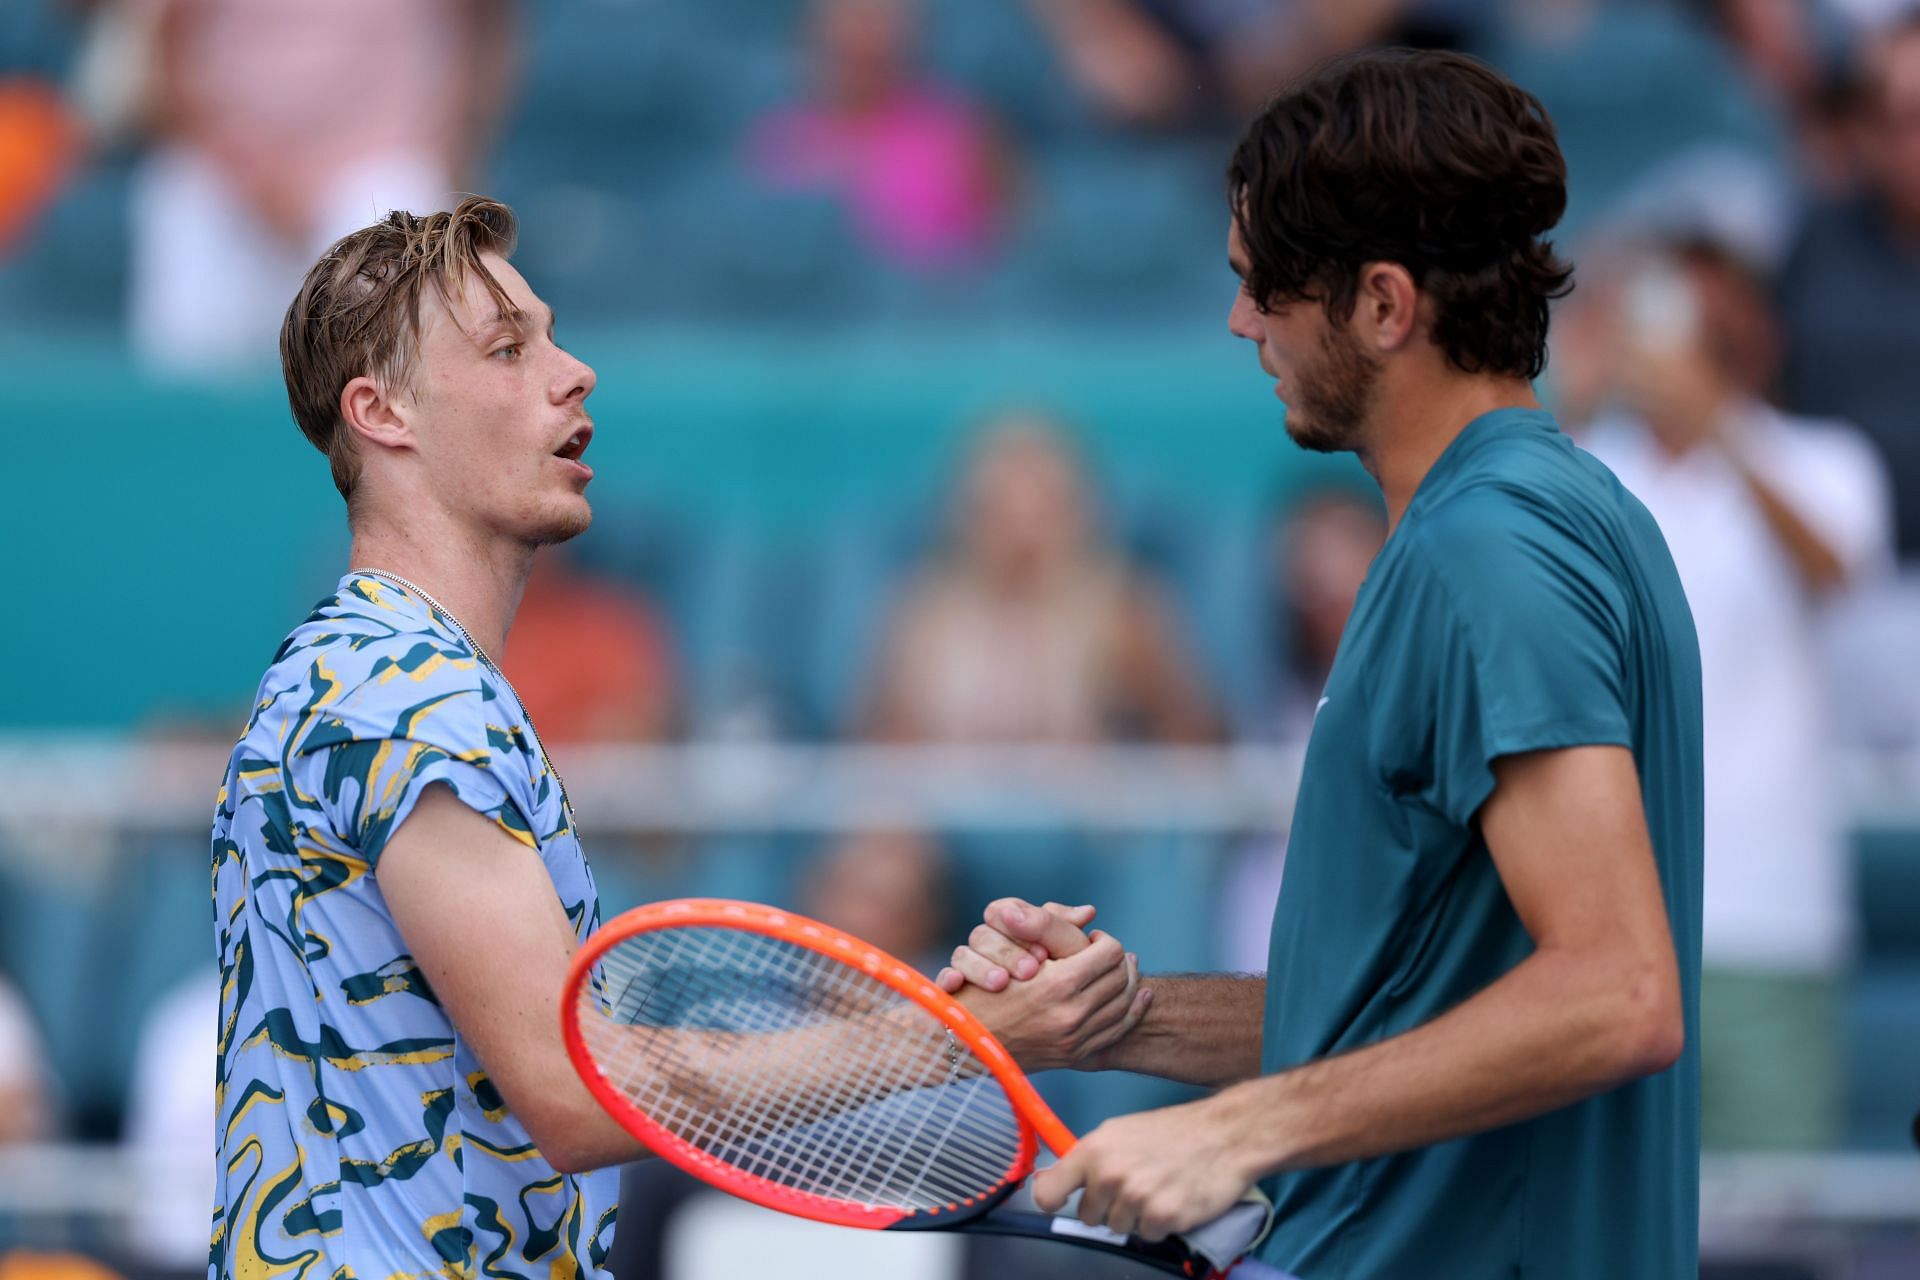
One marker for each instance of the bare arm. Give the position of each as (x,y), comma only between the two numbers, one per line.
(1595,1006)
(1196,1028)
(446,870)
(447,867)
(1119,58)
(1199,1028)
(1821,569)
(889,713)
(1156,674)
(1689,401)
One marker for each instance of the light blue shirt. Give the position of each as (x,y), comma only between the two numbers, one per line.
(357,1133)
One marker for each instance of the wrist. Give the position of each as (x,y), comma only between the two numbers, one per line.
(1266,1115)
(1223,1124)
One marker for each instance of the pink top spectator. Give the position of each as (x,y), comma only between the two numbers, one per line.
(917,172)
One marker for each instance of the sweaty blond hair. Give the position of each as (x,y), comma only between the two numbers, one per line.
(358,312)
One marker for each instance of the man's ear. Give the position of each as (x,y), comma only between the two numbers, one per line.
(373,415)
(1387,310)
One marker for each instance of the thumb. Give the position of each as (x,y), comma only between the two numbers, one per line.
(1053,1185)
(1079,917)
(1026,923)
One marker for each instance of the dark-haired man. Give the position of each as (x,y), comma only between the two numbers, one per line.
(1472,1052)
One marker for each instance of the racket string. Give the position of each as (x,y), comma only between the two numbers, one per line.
(915,1150)
(797,1069)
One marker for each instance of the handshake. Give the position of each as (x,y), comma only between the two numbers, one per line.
(1056,995)
(1052,993)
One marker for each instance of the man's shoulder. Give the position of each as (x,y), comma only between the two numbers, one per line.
(367,664)
(1531,494)
(1506,537)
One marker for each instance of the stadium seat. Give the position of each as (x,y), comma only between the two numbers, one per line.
(1883,1011)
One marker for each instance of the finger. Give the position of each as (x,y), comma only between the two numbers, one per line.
(1079,917)
(1114,1000)
(1108,994)
(1102,954)
(1003,951)
(1054,1184)
(1024,922)
(1096,1202)
(1109,1002)
(1104,1040)
(979,970)
(950,980)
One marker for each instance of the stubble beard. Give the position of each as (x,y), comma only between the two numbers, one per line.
(564,527)
(1336,398)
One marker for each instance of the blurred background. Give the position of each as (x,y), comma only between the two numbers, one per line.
(947,546)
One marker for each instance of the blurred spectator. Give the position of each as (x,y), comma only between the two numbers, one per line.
(918,165)
(1158,63)
(38,141)
(1633,89)
(26,1101)
(30,1264)
(279,126)
(1800,55)
(888,887)
(1769,518)
(1319,552)
(589,658)
(1029,631)
(170,1114)
(1850,293)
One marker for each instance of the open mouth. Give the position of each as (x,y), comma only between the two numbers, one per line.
(576,444)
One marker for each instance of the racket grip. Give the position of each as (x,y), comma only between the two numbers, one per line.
(1228,1237)
(1219,1243)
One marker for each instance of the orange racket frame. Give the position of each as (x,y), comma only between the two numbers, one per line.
(837,945)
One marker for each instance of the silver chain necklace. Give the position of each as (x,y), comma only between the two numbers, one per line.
(490,665)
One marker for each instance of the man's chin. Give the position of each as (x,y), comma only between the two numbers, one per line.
(564,526)
(1310,436)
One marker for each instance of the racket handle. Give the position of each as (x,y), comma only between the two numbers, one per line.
(1171,1256)
(1217,1244)
(1228,1237)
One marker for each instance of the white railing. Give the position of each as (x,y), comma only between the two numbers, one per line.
(63,785)
(128,786)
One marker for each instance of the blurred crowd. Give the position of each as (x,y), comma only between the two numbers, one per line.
(1740,349)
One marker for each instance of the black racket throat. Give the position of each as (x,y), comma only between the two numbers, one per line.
(987,1217)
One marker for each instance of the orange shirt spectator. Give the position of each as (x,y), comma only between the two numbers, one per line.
(589,659)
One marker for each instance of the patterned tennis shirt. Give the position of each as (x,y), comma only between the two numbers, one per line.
(357,1135)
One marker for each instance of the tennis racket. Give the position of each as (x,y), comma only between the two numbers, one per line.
(790,1064)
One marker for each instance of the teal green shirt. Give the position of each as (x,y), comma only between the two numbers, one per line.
(1526,601)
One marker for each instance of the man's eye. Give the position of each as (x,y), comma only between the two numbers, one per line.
(511,351)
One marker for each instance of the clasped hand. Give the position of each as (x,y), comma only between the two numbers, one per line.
(1057,996)
(1052,994)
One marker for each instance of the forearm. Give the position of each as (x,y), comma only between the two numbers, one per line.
(1200,1029)
(1551,1032)
(1819,567)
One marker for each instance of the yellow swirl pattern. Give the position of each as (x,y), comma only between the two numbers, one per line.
(358,1135)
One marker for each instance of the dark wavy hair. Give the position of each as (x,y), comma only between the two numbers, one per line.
(1429,159)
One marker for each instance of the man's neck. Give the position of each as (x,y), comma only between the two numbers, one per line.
(1417,423)
(478,580)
